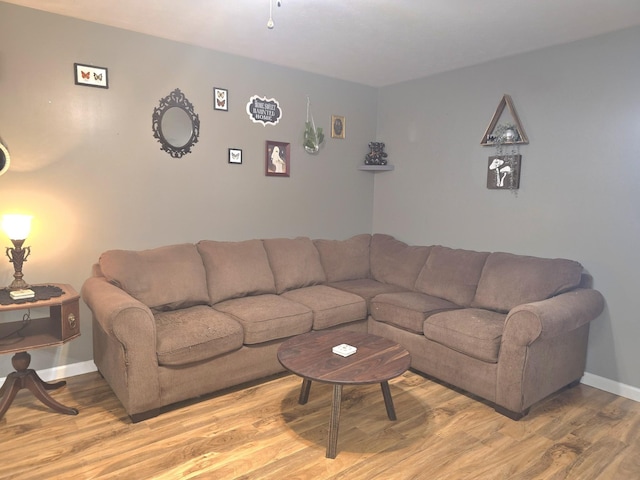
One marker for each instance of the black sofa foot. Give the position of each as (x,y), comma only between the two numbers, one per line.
(140,417)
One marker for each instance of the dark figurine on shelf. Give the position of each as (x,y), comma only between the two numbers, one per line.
(377,155)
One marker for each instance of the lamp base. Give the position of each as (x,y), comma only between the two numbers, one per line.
(18,284)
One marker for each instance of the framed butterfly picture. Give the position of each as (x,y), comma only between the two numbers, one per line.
(91,76)
(235,155)
(220,99)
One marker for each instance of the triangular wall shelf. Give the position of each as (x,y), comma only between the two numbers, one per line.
(522,136)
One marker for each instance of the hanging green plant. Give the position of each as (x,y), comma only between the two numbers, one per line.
(313,136)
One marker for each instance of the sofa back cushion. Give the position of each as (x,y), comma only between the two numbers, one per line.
(295,263)
(510,280)
(236,269)
(451,274)
(345,259)
(395,262)
(163,278)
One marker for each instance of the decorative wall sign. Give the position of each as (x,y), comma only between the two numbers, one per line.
(264,110)
(338,126)
(91,76)
(235,155)
(503,172)
(277,159)
(220,99)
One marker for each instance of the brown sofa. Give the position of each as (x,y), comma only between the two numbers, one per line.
(180,321)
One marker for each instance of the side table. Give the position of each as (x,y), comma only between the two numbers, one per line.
(62,325)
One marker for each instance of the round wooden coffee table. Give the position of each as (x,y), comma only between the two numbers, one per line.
(377,360)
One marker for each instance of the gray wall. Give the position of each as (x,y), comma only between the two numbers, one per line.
(579,196)
(86,165)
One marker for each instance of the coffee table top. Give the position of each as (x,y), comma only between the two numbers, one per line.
(377,360)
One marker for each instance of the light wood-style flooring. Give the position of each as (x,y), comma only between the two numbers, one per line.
(260,432)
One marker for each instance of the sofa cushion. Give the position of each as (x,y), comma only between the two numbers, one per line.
(193,334)
(510,280)
(366,288)
(268,317)
(330,306)
(295,263)
(345,259)
(395,262)
(451,274)
(236,269)
(474,332)
(407,310)
(163,278)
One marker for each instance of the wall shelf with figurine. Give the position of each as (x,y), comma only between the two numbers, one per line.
(376,168)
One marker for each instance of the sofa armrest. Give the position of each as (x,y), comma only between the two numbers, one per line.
(552,317)
(124,346)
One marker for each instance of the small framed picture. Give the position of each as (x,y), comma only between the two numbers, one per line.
(503,172)
(337,126)
(90,75)
(235,155)
(277,159)
(220,99)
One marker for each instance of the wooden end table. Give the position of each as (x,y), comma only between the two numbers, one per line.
(377,360)
(62,325)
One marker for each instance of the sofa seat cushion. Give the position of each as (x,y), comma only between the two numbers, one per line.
(510,280)
(345,259)
(330,306)
(472,331)
(452,274)
(163,278)
(395,262)
(366,288)
(407,310)
(236,269)
(268,317)
(295,263)
(193,334)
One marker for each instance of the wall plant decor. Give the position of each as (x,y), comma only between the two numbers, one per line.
(313,136)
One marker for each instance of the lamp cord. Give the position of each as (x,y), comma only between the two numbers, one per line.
(26,320)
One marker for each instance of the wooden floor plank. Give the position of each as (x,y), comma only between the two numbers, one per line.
(260,431)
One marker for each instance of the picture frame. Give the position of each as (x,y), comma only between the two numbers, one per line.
(277,159)
(90,75)
(235,155)
(503,172)
(220,99)
(338,126)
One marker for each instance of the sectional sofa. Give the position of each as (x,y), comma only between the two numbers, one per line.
(179,321)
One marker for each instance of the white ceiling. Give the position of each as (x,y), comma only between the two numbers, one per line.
(373,42)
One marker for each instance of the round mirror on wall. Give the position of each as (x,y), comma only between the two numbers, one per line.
(4,159)
(175,124)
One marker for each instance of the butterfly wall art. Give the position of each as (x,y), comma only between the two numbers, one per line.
(220,99)
(90,75)
(235,155)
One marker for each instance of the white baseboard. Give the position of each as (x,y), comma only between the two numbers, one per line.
(611,386)
(64,371)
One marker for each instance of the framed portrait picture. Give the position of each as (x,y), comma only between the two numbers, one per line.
(90,75)
(235,155)
(220,99)
(277,159)
(337,126)
(503,172)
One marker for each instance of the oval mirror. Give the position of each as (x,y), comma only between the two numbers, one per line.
(175,124)
(4,159)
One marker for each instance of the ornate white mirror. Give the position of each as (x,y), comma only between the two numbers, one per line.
(4,159)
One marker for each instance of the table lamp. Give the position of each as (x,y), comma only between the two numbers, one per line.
(17,229)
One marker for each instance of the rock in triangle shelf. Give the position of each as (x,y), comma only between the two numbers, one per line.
(508,103)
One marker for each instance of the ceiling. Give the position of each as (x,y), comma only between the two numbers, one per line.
(373,42)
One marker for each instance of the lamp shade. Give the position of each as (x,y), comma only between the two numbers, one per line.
(16,227)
